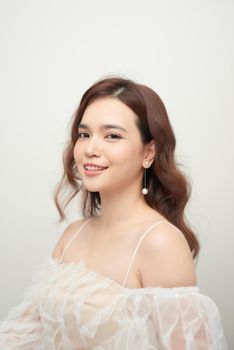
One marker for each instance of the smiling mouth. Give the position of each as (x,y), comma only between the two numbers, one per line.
(94,168)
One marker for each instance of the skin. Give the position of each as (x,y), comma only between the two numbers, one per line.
(164,258)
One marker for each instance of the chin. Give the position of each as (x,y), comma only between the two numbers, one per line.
(90,188)
(96,189)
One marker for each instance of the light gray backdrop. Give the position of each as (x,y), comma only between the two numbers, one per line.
(51,52)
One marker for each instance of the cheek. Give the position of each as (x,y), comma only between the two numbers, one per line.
(77,153)
(124,153)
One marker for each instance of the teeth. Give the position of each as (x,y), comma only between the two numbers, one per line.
(93,167)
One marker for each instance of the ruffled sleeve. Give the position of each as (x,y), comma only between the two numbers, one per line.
(21,328)
(185,319)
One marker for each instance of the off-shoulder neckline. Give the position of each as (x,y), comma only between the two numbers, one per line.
(82,264)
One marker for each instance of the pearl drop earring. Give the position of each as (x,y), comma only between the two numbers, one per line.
(144,189)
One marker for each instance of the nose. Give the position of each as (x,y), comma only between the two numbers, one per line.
(93,147)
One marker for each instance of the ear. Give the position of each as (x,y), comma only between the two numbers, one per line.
(149,153)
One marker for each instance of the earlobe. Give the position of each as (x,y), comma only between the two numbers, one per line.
(150,152)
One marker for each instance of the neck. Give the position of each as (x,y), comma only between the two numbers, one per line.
(121,208)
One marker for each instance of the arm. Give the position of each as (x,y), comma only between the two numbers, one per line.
(165,259)
(22,327)
(65,237)
(184,319)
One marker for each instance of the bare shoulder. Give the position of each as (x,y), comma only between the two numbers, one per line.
(65,237)
(165,258)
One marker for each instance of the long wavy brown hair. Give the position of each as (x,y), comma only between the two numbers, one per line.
(168,188)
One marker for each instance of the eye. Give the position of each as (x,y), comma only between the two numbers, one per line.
(113,136)
(82,135)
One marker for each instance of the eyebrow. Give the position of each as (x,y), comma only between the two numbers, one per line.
(104,126)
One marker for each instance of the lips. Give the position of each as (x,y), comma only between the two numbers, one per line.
(94,167)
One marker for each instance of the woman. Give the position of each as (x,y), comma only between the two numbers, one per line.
(124,276)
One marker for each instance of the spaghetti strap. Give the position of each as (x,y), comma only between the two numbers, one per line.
(139,242)
(72,239)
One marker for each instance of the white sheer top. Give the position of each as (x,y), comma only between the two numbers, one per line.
(70,307)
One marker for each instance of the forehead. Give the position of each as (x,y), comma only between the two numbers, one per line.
(109,110)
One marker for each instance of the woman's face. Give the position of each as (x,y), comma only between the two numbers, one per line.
(109,152)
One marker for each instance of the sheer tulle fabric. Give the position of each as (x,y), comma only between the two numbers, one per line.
(69,307)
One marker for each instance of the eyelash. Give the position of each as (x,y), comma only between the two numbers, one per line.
(111,134)
(81,133)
